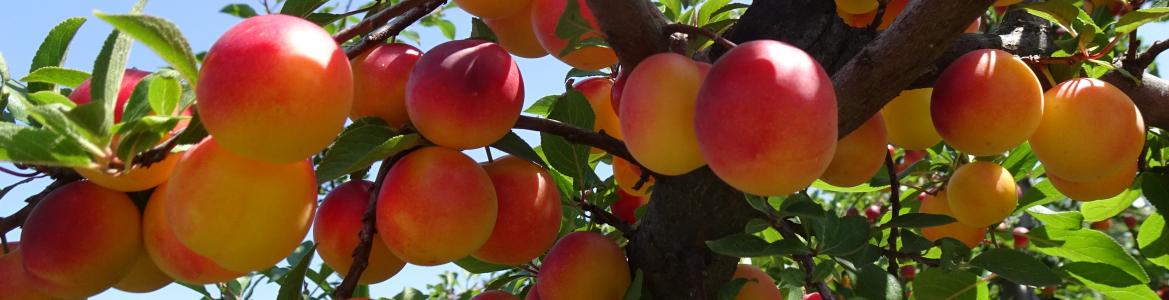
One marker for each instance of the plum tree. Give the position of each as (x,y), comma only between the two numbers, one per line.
(337,224)
(627,174)
(597,91)
(986,85)
(81,94)
(584,265)
(379,83)
(1097,189)
(627,205)
(528,218)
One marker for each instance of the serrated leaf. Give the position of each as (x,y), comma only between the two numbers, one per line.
(1016,266)
(447,28)
(54,117)
(293,282)
(1060,12)
(165,92)
(706,11)
(576,73)
(572,23)
(1107,208)
(514,145)
(140,103)
(97,116)
(874,283)
(162,37)
(476,266)
(1156,189)
(1134,19)
(52,51)
(1109,280)
(918,220)
(1039,194)
(1085,245)
(41,147)
(301,8)
(542,106)
(954,253)
(410,294)
(239,10)
(1153,240)
(841,236)
(50,97)
(57,75)
(1070,220)
(749,245)
(934,283)
(360,147)
(634,291)
(4,75)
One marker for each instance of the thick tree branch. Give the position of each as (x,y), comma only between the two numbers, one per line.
(365,236)
(420,9)
(895,211)
(634,28)
(377,19)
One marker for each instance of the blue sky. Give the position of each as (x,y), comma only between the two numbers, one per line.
(26,23)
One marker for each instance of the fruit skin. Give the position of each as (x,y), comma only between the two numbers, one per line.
(464,84)
(626,175)
(981,194)
(986,102)
(80,240)
(813,296)
(546,15)
(873,213)
(1089,131)
(597,91)
(857,20)
(1095,190)
(759,286)
(144,276)
(907,120)
(13,280)
(626,206)
(533,293)
(207,215)
(169,254)
(1130,221)
(658,109)
(495,295)
(858,155)
(336,231)
(939,205)
(306,84)
(427,226)
(515,33)
(774,135)
(583,265)
(618,88)
(908,272)
(131,77)
(1102,225)
(856,6)
(1020,237)
(136,179)
(528,218)
(379,83)
(493,9)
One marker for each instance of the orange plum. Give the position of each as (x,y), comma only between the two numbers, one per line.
(766,118)
(545,17)
(131,77)
(1090,130)
(861,20)
(658,105)
(939,205)
(859,155)
(759,286)
(80,240)
(986,102)
(856,6)
(529,213)
(465,84)
(533,293)
(13,280)
(144,276)
(214,195)
(379,83)
(584,265)
(618,88)
(515,33)
(493,9)
(170,255)
(135,179)
(626,175)
(1105,188)
(598,91)
(336,232)
(907,120)
(495,295)
(435,206)
(981,194)
(626,206)
(275,88)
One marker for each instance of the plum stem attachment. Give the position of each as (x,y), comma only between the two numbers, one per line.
(671,29)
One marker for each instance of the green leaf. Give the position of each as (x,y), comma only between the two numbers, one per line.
(543,106)
(16,105)
(142,134)
(194,131)
(707,10)
(749,245)
(572,23)
(954,253)
(360,147)
(1107,208)
(577,73)
(759,203)
(570,159)
(634,291)
(1109,280)
(161,36)
(1020,161)
(4,76)
(1070,220)
(480,31)
(50,97)
(874,283)
(144,100)
(1154,240)
(98,116)
(476,266)
(1085,245)
(1131,20)
(730,290)
(239,10)
(52,50)
(410,294)
(1039,194)
(322,19)
(57,75)
(447,28)
(301,8)
(1016,266)
(918,220)
(293,283)
(1061,12)
(862,188)
(801,206)
(55,118)
(841,236)
(41,147)
(1156,189)
(934,283)
(514,145)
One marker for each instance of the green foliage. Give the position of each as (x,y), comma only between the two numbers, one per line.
(360,145)
(941,284)
(52,51)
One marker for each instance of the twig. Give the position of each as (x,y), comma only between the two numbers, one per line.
(1145,59)
(895,209)
(670,29)
(578,135)
(378,18)
(604,217)
(156,154)
(805,261)
(17,219)
(365,236)
(18,174)
(933,262)
(379,35)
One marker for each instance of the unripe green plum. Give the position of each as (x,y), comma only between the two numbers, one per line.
(379,83)
(13,280)
(1090,130)
(465,94)
(529,212)
(759,286)
(515,33)
(859,155)
(1105,188)
(766,118)
(940,205)
(275,88)
(80,239)
(545,17)
(214,196)
(493,9)
(144,276)
(169,254)
(336,232)
(435,206)
(981,194)
(585,266)
(986,102)
(658,105)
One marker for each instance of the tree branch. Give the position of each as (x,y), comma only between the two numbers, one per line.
(420,9)
(377,19)
(1145,59)
(368,229)
(604,217)
(895,210)
(634,28)
(577,135)
(805,260)
(17,219)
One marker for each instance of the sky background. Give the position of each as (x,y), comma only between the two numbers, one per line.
(25,24)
